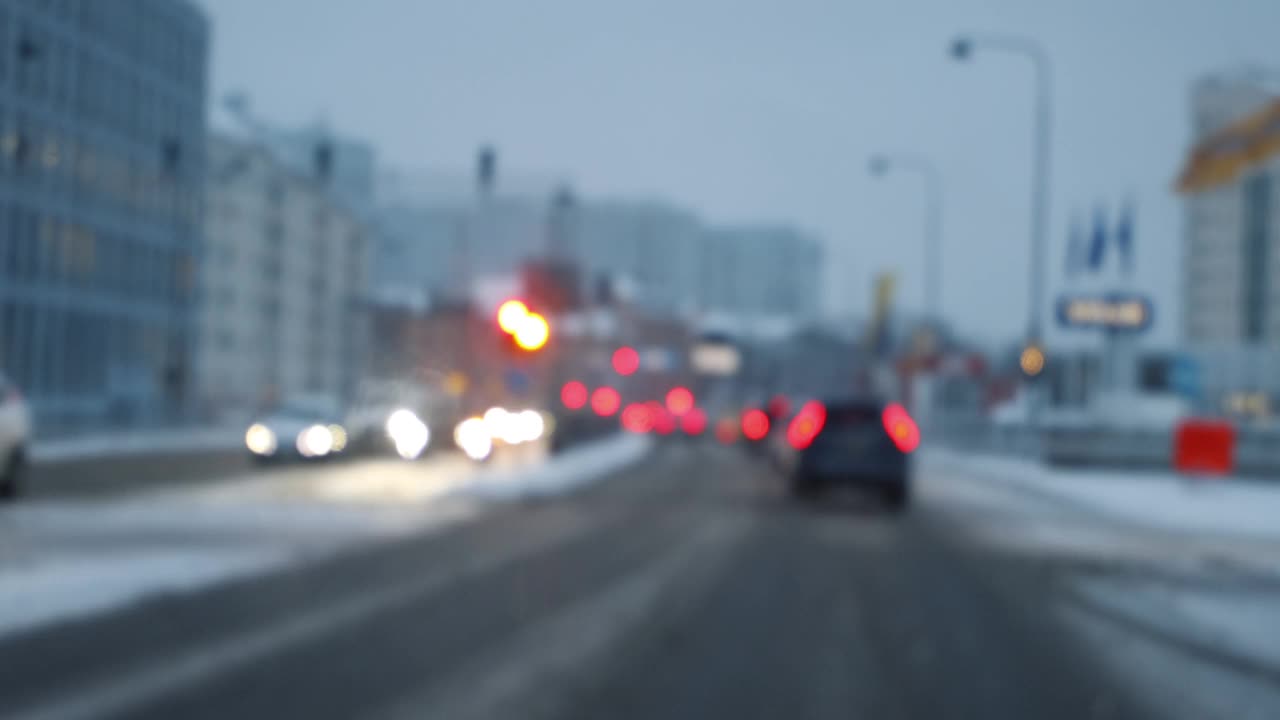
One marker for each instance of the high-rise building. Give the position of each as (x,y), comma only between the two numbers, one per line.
(283,283)
(761,272)
(655,247)
(102,161)
(1231,255)
(1230,203)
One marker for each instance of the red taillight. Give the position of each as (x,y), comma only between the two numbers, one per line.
(694,422)
(573,395)
(901,428)
(637,418)
(605,401)
(806,425)
(755,424)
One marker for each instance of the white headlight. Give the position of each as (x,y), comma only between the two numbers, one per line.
(409,433)
(473,438)
(315,441)
(260,440)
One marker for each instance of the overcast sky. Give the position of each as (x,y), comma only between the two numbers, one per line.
(750,110)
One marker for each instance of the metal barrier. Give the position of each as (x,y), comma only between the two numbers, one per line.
(1257,450)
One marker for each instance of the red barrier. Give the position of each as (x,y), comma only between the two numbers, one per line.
(1205,447)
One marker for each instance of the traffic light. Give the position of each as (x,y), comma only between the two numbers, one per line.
(525,329)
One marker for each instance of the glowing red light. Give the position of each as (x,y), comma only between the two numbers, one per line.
(679,400)
(637,418)
(626,360)
(573,395)
(901,428)
(727,431)
(694,422)
(605,401)
(779,407)
(755,424)
(664,423)
(806,425)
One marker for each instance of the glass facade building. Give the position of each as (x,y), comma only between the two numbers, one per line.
(102,145)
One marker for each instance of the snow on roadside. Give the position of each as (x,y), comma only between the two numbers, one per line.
(1232,507)
(66,559)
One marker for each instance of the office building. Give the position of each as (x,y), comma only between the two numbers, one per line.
(102,130)
(1230,184)
(761,272)
(283,283)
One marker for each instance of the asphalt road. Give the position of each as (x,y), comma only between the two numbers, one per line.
(686,586)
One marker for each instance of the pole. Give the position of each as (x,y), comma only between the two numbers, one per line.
(932,247)
(1042,109)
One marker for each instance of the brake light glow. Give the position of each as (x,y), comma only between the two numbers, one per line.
(694,422)
(901,428)
(574,395)
(605,401)
(806,424)
(637,418)
(755,424)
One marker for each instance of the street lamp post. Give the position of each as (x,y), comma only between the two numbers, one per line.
(881,165)
(961,49)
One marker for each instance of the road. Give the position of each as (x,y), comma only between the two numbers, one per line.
(683,586)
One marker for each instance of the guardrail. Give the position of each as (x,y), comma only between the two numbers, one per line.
(1257,451)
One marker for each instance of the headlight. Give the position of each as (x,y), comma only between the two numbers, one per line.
(339,435)
(260,440)
(408,432)
(473,438)
(315,441)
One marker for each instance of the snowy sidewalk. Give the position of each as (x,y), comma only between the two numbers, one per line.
(1228,506)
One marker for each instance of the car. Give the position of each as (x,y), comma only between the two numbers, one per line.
(308,427)
(861,443)
(15,437)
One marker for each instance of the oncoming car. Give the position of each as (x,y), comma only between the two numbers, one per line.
(866,444)
(302,428)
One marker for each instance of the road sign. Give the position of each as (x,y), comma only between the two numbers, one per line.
(1120,312)
(517,381)
(1185,377)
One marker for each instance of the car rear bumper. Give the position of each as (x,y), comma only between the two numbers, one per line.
(895,471)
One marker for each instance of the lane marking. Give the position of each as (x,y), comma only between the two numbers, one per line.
(518,675)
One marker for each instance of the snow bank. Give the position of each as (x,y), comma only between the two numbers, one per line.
(1235,507)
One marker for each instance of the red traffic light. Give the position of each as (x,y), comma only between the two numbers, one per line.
(573,395)
(626,360)
(605,401)
(679,400)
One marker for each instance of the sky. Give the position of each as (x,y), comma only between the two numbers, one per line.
(754,110)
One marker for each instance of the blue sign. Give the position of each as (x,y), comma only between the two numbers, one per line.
(1185,377)
(517,381)
(1120,312)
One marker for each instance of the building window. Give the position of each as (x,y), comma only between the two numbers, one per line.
(1256,255)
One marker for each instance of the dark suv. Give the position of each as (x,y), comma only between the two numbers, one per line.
(862,443)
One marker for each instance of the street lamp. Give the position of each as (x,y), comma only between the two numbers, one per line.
(880,165)
(962,48)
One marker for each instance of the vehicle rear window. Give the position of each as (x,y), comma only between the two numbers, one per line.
(852,416)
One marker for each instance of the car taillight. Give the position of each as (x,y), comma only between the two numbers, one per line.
(806,425)
(900,427)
